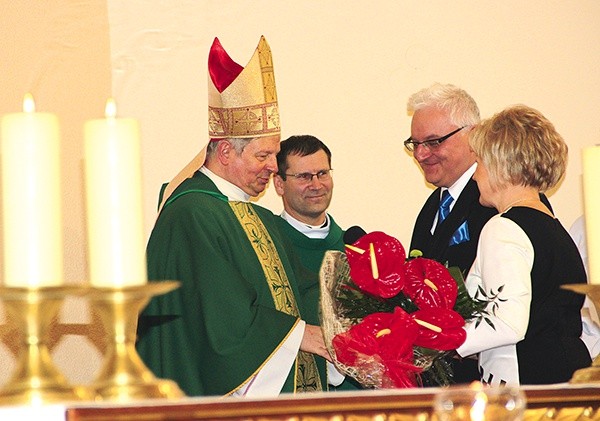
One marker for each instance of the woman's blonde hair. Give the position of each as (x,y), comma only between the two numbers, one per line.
(520,146)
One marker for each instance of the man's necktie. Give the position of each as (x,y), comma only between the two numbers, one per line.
(444,209)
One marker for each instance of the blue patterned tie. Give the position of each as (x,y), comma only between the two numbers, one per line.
(444,209)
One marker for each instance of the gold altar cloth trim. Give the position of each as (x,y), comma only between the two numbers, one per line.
(561,402)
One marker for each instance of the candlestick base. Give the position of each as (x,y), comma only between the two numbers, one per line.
(36,379)
(124,376)
(590,374)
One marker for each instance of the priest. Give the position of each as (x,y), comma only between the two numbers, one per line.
(235,325)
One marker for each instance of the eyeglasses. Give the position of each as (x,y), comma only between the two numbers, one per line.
(306,177)
(412,145)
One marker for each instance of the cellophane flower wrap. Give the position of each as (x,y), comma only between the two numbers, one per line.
(389,321)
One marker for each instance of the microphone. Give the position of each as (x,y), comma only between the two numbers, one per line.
(353,233)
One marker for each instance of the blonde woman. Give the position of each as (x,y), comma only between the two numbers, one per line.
(524,255)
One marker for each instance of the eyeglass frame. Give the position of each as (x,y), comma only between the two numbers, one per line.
(303,176)
(411,145)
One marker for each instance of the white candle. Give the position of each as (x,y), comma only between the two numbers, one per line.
(591,199)
(33,248)
(114,201)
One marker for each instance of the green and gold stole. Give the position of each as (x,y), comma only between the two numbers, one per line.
(307,377)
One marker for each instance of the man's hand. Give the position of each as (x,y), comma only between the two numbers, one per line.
(313,342)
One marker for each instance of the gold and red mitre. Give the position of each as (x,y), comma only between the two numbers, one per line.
(242,101)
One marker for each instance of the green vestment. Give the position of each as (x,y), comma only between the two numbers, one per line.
(218,329)
(311,252)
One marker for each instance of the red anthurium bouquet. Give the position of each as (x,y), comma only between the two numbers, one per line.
(387,320)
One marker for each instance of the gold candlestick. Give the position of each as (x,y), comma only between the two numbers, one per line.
(590,374)
(124,376)
(36,379)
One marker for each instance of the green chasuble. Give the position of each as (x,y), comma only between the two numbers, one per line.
(217,330)
(311,252)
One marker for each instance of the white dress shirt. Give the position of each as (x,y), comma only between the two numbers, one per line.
(455,190)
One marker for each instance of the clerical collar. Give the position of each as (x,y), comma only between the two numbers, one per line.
(459,185)
(233,192)
(311,231)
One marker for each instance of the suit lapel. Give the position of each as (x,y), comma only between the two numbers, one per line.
(422,238)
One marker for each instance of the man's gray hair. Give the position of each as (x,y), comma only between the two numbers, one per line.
(238,143)
(461,107)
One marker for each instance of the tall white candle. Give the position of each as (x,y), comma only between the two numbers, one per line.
(114,201)
(591,199)
(33,248)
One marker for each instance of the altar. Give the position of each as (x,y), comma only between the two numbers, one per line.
(559,402)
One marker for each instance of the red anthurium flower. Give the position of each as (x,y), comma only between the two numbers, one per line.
(376,263)
(356,349)
(390,335)
(440,328)
(429,284)
(381,340)
(400,374)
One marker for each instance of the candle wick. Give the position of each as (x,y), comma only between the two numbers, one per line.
(28,103)
(110,111)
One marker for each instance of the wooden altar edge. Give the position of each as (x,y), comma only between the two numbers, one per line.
(564,402)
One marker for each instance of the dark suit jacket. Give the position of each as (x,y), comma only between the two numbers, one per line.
(467,208)
(436,246)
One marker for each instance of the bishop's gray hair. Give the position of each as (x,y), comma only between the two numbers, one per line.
(238,143)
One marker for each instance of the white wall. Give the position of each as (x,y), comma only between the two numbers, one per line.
(344,70)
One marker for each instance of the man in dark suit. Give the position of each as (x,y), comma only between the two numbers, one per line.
(442,116)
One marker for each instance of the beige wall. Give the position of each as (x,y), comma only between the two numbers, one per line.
(343,70)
